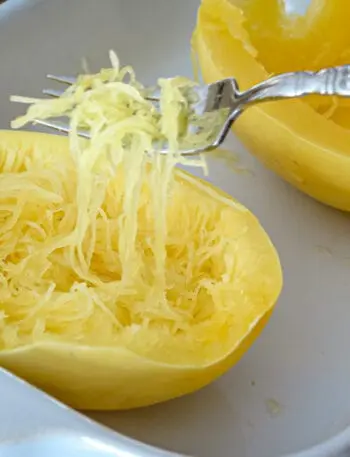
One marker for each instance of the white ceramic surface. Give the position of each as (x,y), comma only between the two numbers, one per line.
(300,361)
(33,424)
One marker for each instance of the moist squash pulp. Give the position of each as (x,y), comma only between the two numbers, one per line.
(85,360)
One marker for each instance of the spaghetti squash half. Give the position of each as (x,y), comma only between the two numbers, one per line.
(305,141)
(123,282)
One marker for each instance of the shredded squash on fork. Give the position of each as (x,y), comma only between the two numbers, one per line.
(123,126)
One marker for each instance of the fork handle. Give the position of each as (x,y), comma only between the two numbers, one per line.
(328,81)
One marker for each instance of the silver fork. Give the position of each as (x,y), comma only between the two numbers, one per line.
(225,94)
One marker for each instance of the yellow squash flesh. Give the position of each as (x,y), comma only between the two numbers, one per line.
(88,376)
(305,141)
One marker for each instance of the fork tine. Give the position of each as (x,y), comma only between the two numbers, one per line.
(53,92)
(57,93)
(62,79)
(62,127)
(154,96)
(58,126)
